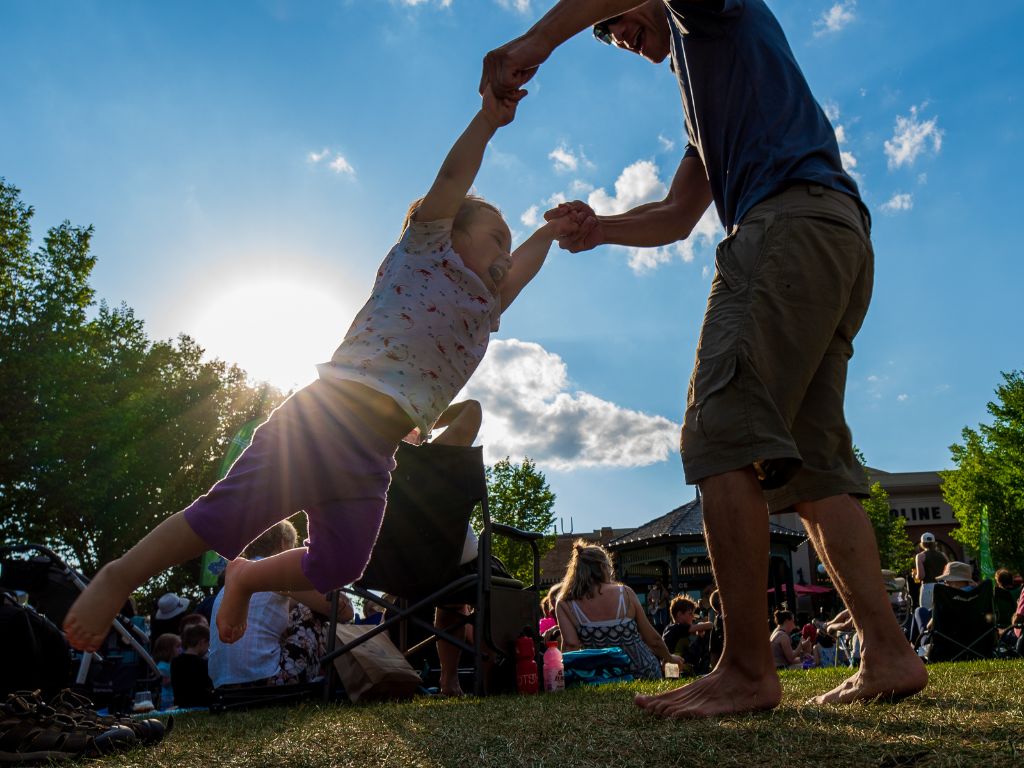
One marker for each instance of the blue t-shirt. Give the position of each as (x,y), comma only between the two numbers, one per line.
(750,115)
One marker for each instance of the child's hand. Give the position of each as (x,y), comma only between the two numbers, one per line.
(586,232)
(501,111)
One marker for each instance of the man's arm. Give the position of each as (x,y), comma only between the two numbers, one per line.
(507,68)
(649,225)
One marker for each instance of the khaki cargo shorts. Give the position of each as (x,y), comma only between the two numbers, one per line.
(792,285)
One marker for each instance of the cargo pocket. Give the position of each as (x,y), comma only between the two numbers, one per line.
(739,255)
(711,414)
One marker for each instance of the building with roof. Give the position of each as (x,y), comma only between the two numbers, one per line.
(672,548)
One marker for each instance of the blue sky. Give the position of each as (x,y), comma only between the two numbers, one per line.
(247,166)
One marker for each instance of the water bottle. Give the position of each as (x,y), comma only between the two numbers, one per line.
(554,674)
(526,666)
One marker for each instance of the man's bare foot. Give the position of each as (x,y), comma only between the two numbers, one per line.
(719,693)
(899,676)
(233,613)
(90,617)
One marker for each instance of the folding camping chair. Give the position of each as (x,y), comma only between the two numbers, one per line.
(432,495)
(963,624)
(123,666)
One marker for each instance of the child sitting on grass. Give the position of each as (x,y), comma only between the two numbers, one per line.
(329,449)
(166,649)
(190,676)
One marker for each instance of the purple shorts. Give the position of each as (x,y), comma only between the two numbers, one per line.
(315,453)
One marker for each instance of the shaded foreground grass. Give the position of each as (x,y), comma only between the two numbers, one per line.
(971,714)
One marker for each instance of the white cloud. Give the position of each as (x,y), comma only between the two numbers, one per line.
(911,137)
(667,145)
(898,202)
(414,3)
(849,165)
(922,179)
(531,216)
(336,163)
(835,18)
(706,233)
(840,134)
(637,184)
(564,159)
(340,165)
(579,187)
(903,398)
(530,410)
(831,111)
(519,6)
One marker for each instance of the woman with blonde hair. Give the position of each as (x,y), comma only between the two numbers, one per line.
(595,611)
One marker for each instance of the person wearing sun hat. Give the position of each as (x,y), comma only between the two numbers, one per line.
(169,610)
(928,564)
(957,575)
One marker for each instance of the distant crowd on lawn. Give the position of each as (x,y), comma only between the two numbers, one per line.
(588,608)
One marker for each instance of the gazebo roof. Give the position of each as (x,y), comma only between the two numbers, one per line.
(684,522)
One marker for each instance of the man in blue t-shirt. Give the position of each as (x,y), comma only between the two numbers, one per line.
(764,423)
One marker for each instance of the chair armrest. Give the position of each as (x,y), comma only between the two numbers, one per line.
(515,533)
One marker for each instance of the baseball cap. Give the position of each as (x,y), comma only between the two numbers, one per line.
(927,538)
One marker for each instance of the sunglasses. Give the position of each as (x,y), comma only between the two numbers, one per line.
(602,31)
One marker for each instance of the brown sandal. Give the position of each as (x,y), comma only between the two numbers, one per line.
(79,708)
(31,731)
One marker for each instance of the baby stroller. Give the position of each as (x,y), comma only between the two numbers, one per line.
(122,667)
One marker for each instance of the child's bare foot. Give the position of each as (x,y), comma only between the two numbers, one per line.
(89,619)
(720,693)
(895,678)
(233,613)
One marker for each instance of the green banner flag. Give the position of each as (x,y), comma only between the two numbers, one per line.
(985,548)
(213,564)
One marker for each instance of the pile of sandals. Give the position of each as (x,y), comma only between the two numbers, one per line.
(67,728)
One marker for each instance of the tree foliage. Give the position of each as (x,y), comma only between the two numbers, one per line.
(990,472)
(895,549)
(103,432)
(518,495)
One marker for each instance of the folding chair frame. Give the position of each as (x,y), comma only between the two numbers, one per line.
(404,612)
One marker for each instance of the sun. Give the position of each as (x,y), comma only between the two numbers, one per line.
(276,330)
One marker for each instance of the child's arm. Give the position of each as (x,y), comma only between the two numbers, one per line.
(529,257)
(463,161)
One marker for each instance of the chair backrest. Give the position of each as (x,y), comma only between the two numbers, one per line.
(433,492)
(963,623)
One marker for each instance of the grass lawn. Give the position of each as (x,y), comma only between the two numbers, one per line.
(972,714)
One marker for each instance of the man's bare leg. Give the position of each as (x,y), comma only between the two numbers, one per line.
(842,536)
(736,528)
(244,578)
(89,619)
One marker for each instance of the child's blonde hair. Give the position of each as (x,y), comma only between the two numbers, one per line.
(277,538)
(467,210)
(590,566)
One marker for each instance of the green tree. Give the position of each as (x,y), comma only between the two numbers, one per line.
(990,472)
(103,433)
(518,495)
(895,550)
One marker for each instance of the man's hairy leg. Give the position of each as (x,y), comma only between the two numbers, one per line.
(842,536)
(736,527)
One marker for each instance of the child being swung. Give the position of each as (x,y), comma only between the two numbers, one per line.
(329,449)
